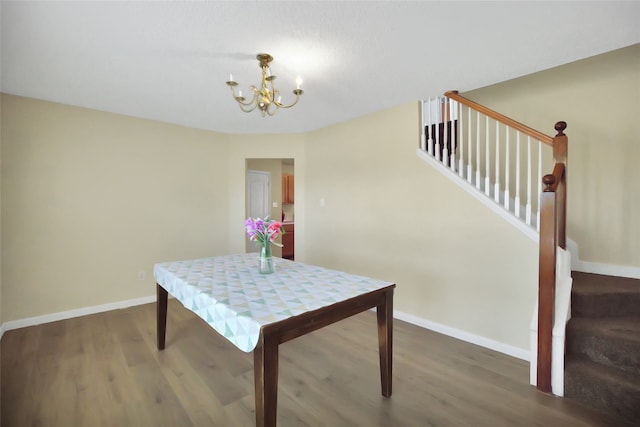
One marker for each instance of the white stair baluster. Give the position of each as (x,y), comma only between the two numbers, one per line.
(437,131)
(430,122)
(506,168)
(518,178)
(469,157)
(528,211)
(445,133)
(539,185)
(461,141)
(487,156)
(478,151)
(496,189)
(423,140)
(452,138)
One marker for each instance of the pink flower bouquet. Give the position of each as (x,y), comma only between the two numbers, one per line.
(264,231)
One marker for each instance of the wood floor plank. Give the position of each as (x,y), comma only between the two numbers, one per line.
(105,370)
(16,374)
(190,389)
(163,407)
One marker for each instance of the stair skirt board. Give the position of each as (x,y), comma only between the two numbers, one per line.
(489,201)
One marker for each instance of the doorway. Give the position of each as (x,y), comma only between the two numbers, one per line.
(281,172)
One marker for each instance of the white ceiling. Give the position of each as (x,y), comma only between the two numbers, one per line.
(169,61)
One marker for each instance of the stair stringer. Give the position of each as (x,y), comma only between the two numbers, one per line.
(490,202)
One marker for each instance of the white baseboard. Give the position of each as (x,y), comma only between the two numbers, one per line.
(607,269)
(37,320)
(598,268)
(463,335)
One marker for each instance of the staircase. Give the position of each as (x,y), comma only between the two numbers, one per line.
(602,362)
(500,161)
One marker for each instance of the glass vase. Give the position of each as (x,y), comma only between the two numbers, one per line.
(265,262)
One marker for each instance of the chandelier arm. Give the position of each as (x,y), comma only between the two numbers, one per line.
(254,99)
(273,109)
(247,110)
(292,104)
(244,106)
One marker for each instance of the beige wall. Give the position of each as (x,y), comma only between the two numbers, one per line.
(388,214)
(1,318)
(89,199)
(599,98)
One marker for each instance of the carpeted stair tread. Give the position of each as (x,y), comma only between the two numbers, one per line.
(597,295)
(608,389)
(602,363)
(598,283)
(612,341)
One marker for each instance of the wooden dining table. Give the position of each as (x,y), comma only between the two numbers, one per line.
(258,312)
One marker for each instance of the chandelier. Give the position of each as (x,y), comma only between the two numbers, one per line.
(266,97)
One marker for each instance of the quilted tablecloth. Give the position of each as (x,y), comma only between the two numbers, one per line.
(235,300)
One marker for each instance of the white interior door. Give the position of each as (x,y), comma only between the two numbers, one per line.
(258,198)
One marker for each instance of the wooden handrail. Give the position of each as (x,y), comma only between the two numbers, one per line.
(453,94)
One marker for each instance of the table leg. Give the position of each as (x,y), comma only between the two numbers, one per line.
(162,297)
(385,341)
(265,372)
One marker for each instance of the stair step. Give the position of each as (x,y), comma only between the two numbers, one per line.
(604,388)
(611,341)
(596,295)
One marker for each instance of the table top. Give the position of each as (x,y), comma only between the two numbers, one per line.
(236,300)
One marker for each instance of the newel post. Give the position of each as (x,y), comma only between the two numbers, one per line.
(553,216)
(546,282)
(560,155)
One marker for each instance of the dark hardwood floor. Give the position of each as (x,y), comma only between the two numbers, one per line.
(105,370)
